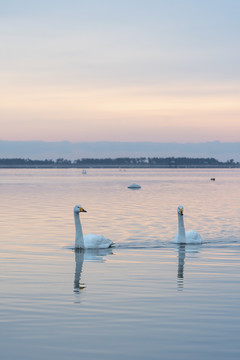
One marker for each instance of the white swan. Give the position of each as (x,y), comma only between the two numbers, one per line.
(90,241)
(185,237)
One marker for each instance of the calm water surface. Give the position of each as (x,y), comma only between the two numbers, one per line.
(144,299)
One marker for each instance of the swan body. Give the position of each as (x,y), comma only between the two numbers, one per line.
(185,237)
(90,241)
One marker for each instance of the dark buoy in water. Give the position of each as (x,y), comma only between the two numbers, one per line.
(134,186)
(212,179)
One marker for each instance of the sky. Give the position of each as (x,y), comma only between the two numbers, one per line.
(129,70)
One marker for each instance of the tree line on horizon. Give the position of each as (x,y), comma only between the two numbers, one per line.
(121,161)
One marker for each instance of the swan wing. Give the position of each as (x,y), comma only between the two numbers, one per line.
(94,241)
(193,237)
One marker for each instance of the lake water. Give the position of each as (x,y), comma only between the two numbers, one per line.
(146,298)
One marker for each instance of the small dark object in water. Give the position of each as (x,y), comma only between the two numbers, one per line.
(212,179)
(134,186)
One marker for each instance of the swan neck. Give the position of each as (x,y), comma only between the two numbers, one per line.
(181,228)
(79,244)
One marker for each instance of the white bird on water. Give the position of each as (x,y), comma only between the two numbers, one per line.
(185,237)
(90,241)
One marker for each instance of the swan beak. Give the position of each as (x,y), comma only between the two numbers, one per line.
(82,209)
(181,212)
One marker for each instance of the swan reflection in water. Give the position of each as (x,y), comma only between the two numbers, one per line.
(91,255)
(182,249)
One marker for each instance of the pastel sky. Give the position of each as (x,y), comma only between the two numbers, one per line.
(129,70)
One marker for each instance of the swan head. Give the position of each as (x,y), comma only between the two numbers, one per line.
(78,208)
(180,210)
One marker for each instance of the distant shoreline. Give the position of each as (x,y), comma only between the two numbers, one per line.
(119,167)
(119,163)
